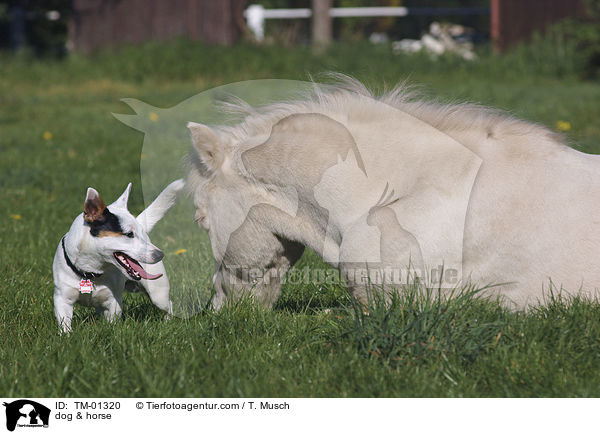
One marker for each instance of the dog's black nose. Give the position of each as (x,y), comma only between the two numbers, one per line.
(157,255)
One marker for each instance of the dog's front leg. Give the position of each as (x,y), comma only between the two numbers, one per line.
(113,309)
(158,289)
(63,310)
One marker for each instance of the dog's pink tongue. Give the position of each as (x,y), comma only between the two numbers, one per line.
(143,274)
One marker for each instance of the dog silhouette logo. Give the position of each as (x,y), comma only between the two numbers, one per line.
(26,413)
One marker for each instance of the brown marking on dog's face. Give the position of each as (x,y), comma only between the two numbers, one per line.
(102,233)
(93,207)
(107,225)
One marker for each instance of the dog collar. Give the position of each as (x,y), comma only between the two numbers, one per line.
(83,274)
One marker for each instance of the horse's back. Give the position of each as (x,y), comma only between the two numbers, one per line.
(536,223)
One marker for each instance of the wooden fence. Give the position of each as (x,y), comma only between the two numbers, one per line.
(514,21)
(100,23)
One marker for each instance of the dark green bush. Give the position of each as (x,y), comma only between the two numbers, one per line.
(583,35)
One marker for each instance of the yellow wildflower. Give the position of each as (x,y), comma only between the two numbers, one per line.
(15,216)
(563,125)
(153,117)
(180,251)
(47,135)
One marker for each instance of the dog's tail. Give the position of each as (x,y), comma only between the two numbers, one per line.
(157,209)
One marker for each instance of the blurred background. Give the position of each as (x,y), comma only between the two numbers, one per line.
(464,28)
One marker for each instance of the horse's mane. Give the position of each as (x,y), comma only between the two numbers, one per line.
(348,96)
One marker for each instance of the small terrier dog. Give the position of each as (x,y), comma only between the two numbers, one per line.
(104,250)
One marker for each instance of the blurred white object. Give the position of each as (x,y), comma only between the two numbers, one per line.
(407,46)
(255,21)
(433,45)
(378,38)
(53,15)
(257,14)
(441,38)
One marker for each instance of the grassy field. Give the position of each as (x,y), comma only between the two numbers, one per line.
(57,136)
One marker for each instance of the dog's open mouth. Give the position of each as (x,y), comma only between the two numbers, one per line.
(133,267)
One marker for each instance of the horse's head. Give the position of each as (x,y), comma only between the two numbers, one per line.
(257,195)
(241,216)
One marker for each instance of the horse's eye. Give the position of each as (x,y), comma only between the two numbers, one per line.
(129,234)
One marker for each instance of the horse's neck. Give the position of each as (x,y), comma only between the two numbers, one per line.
(426,172)
(410,159)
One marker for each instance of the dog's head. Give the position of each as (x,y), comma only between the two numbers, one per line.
(113,235)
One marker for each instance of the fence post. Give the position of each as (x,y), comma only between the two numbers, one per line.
(495,23)
(321,24)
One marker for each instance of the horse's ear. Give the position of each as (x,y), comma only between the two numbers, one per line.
(208,145)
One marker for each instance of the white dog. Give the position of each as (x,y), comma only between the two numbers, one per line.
(103,250)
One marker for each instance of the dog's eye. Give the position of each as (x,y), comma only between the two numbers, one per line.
(129,234)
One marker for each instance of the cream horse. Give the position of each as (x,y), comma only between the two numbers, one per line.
(459,193)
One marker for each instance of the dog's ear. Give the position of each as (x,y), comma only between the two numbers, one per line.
(209,146)
(157,209)
(121,202)
(93,207)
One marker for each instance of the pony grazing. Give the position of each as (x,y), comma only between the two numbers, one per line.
(394,190)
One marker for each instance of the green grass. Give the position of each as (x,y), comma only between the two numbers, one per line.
(314,343)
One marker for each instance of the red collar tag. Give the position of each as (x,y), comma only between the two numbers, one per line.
(86,286)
